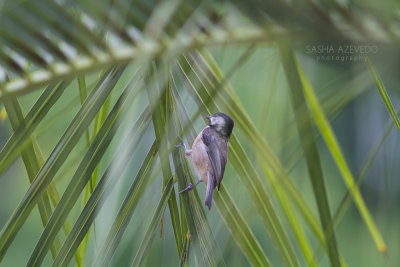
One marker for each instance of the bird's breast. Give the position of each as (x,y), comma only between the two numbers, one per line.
(199,158)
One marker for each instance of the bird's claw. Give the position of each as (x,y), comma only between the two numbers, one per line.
(180,143)
(189,187)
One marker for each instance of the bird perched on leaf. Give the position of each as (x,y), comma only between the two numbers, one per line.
(209,153)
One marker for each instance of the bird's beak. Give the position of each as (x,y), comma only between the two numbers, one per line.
(208,117)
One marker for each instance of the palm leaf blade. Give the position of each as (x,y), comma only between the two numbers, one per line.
(28,124)
(252,184)
(61,151)
(148,237)
(239,229)
(335,150)
(103,189)
(304,125)
(82,175)
(126,210)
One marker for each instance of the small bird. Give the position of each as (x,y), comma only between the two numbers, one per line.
(209,153)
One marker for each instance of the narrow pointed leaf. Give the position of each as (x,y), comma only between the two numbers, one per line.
(185,250)
(266,157)
(127,208)
(58,156)
(240,230)
(151,230)
(32,165)
(33,161)
(366,166)
(22,133)
(254,185)
(337,154)
(83,173)
(310,151)
(158,99)
(383,92)
(235,222)
(107,182)
(204,243)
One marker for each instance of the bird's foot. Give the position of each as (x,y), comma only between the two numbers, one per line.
(181,143)
(189,187)
(188,151)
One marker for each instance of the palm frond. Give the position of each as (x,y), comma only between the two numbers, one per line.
(82,36)
(330,139)
(127,208)
(310,151)
(28,124)
(60,152)
(146,71)
(103,189)
(149,235)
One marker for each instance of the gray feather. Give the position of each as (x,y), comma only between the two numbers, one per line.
(217,150)
(210,190)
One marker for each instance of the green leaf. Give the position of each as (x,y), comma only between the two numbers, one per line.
(268,161)
(58,156)
(107,182)
(204,243)
(161,27)
(367,164)
(239,229)
(336,152)
(33,160)
(32,165)
(64,22)
(333,103)
(83,95)
(383,93)
(89,188)
(82,175)
(228,210)
(185,250)
(151,230)
(242,165)
(310,150)
(28,124)
(159,104)
(127,208)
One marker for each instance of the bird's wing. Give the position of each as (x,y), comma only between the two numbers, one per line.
(217,153)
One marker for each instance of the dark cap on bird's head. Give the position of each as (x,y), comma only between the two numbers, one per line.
(221,123)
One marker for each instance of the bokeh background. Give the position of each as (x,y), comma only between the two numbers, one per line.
(352,103)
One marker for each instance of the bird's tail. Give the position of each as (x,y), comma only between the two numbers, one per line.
(210,189)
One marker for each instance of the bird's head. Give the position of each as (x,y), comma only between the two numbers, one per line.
(221,123)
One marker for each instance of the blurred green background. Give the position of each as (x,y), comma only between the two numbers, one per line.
(261,86)
(350,98)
